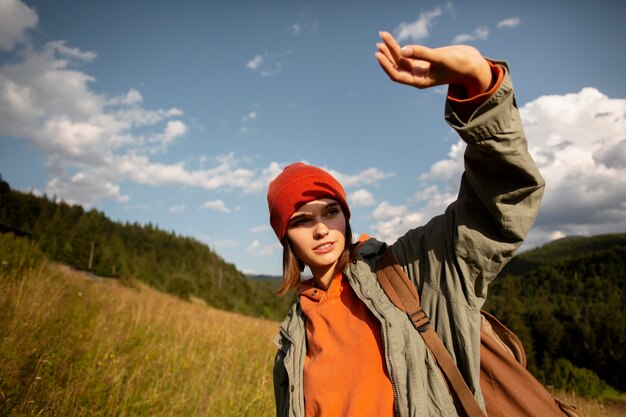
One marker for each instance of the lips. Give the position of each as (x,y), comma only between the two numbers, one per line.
(324,247)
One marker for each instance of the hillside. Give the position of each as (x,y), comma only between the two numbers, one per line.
(562,250)
(74,346)
(175,264)
(565,301)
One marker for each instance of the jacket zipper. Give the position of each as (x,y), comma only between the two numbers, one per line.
(396,396)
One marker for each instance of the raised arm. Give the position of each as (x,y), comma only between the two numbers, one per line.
(460,252)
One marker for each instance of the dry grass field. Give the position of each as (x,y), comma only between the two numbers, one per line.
(73,346)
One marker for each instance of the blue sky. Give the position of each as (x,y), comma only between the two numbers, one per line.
(179,113)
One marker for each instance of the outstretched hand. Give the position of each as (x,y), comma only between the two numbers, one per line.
(423,67)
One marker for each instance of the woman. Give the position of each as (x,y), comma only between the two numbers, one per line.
(344,348)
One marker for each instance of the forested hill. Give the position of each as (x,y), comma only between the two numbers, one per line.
(567,302)
(171,263)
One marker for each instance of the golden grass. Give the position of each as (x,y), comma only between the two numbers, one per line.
(590,407)
(71,346)
(76,347)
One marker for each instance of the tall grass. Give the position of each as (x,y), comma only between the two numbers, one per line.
(71,346)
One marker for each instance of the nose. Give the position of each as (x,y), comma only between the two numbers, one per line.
(320,230)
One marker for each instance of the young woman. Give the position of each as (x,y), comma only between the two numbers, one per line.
(344,348)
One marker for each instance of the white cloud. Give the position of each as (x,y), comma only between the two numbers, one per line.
(365,177)
(255,62)
(385,211)
(481,33)
(94,143)
(15,19)
(62,49)
(578,141)
(511,22)
(268,64)
(260,229)
(217,205)
(217,243)
(173,130)
(258,249)
(177,209)
(361,198)
(81,188)
(418,29)
(250,116)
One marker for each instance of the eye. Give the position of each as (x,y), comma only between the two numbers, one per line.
(300,221)
(333,211)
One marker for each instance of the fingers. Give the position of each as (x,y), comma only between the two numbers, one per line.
(391,69)
(419,52)
(392,46)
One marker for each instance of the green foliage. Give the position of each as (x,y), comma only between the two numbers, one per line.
(578,380)
(181,265)
(18,254)
(567,306)
(182,285)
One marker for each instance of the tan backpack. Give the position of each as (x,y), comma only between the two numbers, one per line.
(508,388)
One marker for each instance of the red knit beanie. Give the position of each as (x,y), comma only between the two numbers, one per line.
(297,185)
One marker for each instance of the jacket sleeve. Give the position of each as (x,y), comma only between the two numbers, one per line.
(460,252)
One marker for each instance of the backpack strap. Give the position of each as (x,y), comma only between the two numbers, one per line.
(403,294)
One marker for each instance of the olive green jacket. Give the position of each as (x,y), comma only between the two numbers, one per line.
(452,259)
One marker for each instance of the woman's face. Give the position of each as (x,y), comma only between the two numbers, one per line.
(317,233)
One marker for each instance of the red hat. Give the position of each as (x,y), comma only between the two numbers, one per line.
(297,185)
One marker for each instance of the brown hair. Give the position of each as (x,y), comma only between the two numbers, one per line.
(292,266)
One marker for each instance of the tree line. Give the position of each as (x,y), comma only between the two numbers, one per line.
(129,251)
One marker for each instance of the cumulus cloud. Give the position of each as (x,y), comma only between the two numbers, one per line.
(511,22)
(256,248)
(419,29)
(578,141)
(361,198)
(386,211)
(217,205)
(481,33)
(173,130)
(365,177)
(94,143)
(15,19)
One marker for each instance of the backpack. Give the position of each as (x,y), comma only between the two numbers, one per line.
(508,388)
